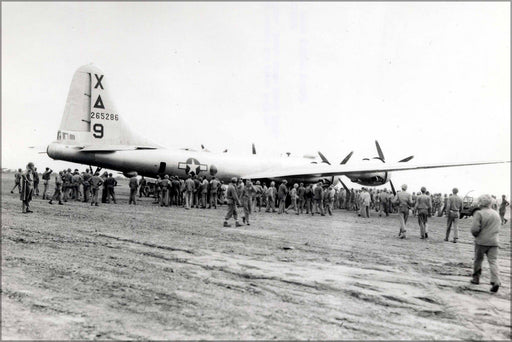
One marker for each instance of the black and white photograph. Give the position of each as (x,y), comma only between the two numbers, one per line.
(255,171)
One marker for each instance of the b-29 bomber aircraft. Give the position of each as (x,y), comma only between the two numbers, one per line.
(92,132)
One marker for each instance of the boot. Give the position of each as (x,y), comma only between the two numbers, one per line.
(50,202)
(475,280)
(226,224)
(495,288)
(238,224)
(60,202)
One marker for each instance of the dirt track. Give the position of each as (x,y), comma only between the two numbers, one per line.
(145,272)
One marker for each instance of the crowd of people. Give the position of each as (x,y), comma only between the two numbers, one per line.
(321,199)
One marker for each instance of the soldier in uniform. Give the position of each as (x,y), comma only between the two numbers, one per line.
(365,203)
(133,185)
(86,184)
(423,207)
(142,187)
(197,191)
(329,200)
(46,181)
(271,197)
(308,197)
(232,200)
(175,187)
(281,195)
(96,182)
(104,190)
(485,229)
(404,201)
(111,183)
(258,196)
(17,179)
(301,192)
(318,198)
(36,182)
(164,188)
(294,197)
(189,192)
(57,194)
(247,193)
(383,199)
(158,190)
(214,190)
(503,208)
(453,208)
(204,192)
(27,188)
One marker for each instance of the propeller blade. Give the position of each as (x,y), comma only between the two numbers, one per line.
(253,149)
(346,188)
(324,160)
(392,187)
(344,161)
(406,159)
(288,153)
(379,150)
(202,146)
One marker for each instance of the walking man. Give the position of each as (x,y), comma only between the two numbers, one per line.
(423,206)
(57,194)
(485,229)
(232,201)
(46,181)
(453,208)
(133,184)
(27,188)
(404,201)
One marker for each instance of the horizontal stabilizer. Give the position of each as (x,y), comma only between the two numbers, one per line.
(114,148)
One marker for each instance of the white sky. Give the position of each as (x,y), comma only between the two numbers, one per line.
(429,79)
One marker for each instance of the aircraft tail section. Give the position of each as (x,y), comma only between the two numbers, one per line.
(91,118)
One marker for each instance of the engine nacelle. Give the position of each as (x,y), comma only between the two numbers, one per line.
(370,179)
(130,174)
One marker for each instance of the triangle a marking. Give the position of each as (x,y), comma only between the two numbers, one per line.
(99,103)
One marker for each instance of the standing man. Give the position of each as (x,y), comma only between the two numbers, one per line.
(301,192)
(308,197)
(111,183)
(281,194)
(27,188)
(104,190)
(485,229)
(164,188)
(271,197)
(57,194)
(404,201)
(365,203)
(247,193)
(503,207)
(46,181)
(318,198)
(17,180)
(197,190)
(383,197)
(423,206)
(329,200)
(258,196)
(96,182)
(293,198)
(232,199)
(214,190)
(133,184)
(36,182)
(453,208)
(204,192)
(142,187)
(189,192)
(86,184)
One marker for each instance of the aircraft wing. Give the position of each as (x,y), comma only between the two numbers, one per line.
(323,170)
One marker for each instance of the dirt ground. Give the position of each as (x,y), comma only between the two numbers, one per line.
(146,272)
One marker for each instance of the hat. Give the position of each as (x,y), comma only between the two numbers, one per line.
(234,179)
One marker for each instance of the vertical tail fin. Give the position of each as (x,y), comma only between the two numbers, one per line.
(90,117)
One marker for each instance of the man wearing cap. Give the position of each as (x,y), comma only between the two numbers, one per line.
(281,196)
(111,183)
(365,203)
(258,196)
(404,201)
(27,188)
(36,182)
(86,184)
(247,193)
(453,208)
(485,229)
(57,194)
(423,206)
(232,200)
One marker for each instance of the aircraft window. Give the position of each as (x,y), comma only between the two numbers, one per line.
(59,136)
(72,137)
